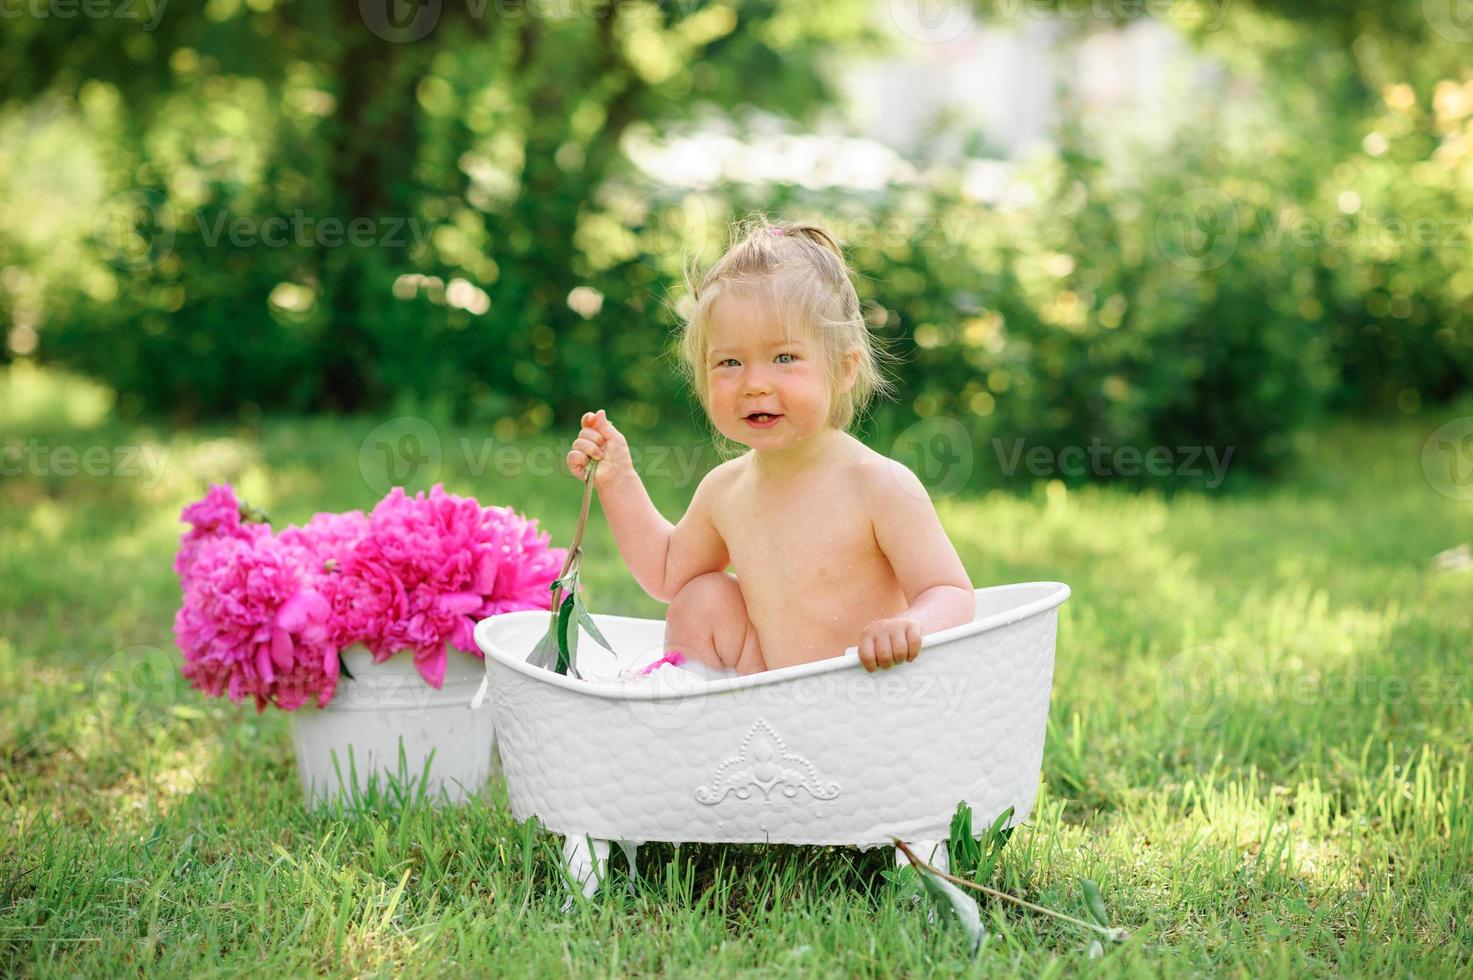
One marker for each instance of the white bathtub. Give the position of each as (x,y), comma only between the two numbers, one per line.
(820,753)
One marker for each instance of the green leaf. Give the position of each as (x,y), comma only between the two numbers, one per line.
(997,838)
(964,850)
(586,621)
(545,653)
(973,857)
(1094,902)
(569,581)
(951,898)
(343,667)
(566,647)
(904,879)
(1000,826)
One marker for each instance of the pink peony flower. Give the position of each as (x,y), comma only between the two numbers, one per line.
(215,517)
(253,623)
(265,615)
(429,567)
(325,538)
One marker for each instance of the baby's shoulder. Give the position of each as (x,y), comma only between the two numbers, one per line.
(882,480)
(718,479)
(724,472)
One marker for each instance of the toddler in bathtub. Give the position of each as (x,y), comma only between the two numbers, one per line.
(831,544)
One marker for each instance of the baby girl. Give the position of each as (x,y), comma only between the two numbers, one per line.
(831,544)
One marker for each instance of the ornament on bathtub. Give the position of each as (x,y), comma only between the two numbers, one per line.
(764,763)
(558,649)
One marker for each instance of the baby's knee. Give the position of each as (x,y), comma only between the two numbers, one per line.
(709,615)
(704,594)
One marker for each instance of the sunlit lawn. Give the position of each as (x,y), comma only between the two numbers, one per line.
(1262,713)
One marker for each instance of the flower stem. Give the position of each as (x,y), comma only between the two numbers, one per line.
(1114,935)
(575,549)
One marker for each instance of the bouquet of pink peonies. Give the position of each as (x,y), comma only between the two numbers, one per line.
(266,614)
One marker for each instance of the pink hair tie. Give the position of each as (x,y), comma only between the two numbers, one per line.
(775,231)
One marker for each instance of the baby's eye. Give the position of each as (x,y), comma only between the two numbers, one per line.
(725,361)
(785,354)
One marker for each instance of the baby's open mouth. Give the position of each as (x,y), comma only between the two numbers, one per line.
(761,417)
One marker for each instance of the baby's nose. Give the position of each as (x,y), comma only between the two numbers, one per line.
(756,382)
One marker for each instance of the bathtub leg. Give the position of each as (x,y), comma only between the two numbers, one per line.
(933,853)
(585,867)
(631,852)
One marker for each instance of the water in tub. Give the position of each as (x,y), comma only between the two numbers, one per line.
(663,669)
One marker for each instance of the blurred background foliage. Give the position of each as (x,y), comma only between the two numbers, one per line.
(1300,244)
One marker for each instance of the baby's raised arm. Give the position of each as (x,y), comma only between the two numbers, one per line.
(661,556)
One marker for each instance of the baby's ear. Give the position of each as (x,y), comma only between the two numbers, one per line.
(851,367)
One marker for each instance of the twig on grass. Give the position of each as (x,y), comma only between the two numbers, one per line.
(1114,935)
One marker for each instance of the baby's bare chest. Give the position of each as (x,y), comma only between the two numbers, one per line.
(821,541)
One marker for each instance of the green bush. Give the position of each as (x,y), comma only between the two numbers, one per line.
(1218,291)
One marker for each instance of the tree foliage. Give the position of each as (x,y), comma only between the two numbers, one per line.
(181,217)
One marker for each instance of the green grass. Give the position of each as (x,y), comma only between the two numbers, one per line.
(1258,746)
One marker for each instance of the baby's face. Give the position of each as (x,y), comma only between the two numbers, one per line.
(754,366)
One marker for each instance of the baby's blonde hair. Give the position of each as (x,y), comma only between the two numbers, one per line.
(797,270)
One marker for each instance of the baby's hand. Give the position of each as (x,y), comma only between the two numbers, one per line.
(887,642)
(601,441)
